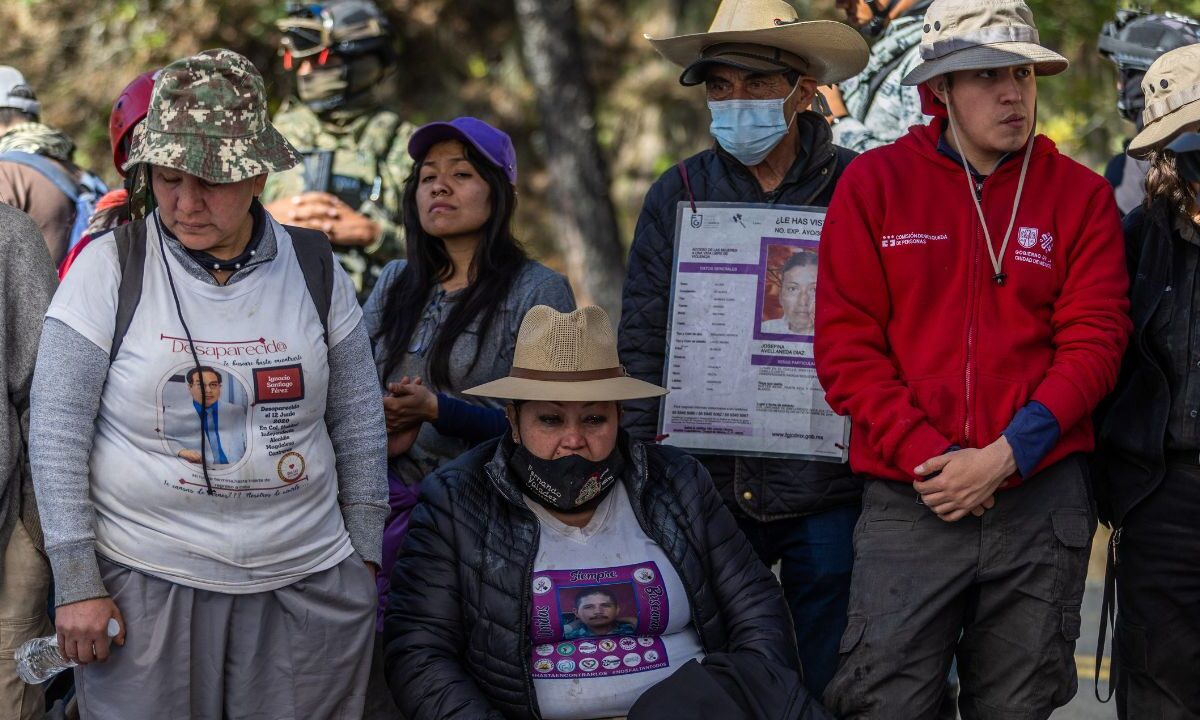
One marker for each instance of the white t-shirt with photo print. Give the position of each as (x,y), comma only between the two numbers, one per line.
(274,517)
(610,617)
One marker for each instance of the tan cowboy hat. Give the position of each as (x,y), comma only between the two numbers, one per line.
(1172,87)
(978,35)
(566,357)
(767,35)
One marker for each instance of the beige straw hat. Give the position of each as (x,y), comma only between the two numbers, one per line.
(1172,87)
(565,357)
(978,35)
(767,35)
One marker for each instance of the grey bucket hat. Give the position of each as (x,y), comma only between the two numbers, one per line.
(978,35)
(208,118)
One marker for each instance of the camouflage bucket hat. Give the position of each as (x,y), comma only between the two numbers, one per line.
(208,118)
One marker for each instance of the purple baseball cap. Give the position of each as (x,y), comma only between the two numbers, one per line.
(493,144)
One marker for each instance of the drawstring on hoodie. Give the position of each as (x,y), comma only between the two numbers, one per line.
(997,259)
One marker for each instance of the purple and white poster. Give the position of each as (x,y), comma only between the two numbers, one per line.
(598,622)
(739,358)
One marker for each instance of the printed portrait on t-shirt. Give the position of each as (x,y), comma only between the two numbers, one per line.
(596,611)
(204,411)
(599,622)
(789,291)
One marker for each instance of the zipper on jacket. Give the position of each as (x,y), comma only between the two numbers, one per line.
(972,306)
(526,640)
(683,580)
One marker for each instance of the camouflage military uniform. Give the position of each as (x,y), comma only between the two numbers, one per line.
(365,164)
(881,117)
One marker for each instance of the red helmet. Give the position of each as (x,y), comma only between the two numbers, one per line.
(127,112)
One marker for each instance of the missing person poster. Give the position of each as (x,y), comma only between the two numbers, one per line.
(740,352)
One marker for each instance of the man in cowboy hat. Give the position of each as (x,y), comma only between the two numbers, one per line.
(760,66)
(969,366)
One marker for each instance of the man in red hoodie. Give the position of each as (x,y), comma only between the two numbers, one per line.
(971,313)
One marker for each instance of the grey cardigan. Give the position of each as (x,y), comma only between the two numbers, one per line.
(27,282)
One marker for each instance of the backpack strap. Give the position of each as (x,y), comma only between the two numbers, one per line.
(53,172)
(131,255)
(315,255)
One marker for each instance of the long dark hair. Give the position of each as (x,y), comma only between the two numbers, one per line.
(494,268)
(1165,183)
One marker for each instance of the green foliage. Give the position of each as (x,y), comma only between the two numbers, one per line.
(463,57)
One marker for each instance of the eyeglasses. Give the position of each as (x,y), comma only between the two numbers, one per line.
(422,337)
(210,385)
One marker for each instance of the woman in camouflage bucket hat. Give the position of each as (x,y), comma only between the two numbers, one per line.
(226,507)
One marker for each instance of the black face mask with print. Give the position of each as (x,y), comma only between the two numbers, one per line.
(567,484)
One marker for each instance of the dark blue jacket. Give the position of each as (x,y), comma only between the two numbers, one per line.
(764,489)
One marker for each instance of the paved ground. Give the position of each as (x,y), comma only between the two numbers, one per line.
(1085,706)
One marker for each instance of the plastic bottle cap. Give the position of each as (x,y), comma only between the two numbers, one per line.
(114,628)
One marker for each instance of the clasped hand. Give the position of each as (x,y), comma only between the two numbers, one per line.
(965,481)
(325,212)
(407,404)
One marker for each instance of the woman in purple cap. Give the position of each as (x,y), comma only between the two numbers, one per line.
(446,318)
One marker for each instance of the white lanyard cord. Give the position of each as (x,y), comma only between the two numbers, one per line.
(997,259)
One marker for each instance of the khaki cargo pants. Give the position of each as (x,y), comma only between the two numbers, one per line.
(24,595)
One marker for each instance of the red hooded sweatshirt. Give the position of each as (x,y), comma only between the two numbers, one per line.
(918,344)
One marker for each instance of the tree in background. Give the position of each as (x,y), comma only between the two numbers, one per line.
(478,57)
(579,184)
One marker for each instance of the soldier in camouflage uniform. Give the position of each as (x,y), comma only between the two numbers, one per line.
(873,108)
(354,153)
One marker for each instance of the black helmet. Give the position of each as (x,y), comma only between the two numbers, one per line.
(347,27)
(1133,41)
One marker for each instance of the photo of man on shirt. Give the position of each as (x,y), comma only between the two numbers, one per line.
(213,400)
(597,614)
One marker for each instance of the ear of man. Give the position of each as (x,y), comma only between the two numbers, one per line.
(805,91)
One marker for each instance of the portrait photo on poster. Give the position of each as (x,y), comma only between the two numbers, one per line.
(208,397)
(787,290)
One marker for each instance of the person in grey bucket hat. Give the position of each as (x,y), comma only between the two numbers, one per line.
(1148,467)
(969,324)
(213,479)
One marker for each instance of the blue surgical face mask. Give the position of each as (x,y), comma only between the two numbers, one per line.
(749,129)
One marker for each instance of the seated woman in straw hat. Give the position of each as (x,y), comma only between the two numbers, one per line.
(1149,438)
(564,569)
(210,470)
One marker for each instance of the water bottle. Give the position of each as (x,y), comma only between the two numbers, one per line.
(38,660)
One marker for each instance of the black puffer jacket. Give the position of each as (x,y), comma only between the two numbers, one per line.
(763,489)
(457,626)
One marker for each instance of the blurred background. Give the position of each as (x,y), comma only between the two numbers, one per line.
(549,72)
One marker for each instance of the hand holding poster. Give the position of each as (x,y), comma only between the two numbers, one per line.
(740,361)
